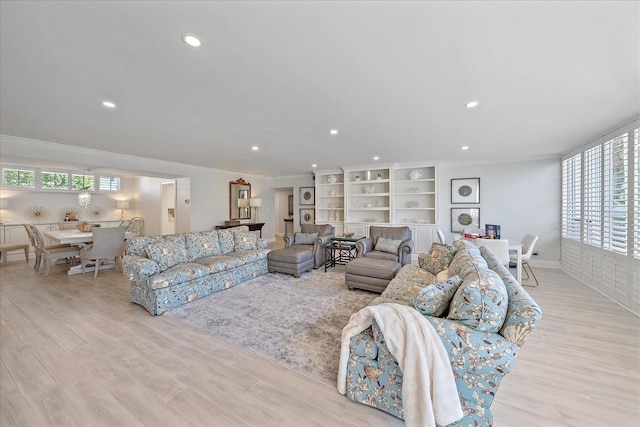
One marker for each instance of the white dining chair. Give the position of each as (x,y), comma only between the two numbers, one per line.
(107,243)
(528,243)
(47,253)
(441,238)
(500,248)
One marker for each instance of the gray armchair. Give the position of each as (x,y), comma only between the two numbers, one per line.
(325,233)
(367,247)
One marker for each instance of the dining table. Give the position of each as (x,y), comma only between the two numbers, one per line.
(78,238)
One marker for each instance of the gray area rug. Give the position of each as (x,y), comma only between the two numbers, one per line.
(296,323)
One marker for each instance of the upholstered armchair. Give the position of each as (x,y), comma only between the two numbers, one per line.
(325,232)
(373,247)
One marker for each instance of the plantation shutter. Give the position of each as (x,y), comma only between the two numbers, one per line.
(592,206)
(571,197)
(616,196)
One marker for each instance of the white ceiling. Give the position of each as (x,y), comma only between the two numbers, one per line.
(393,77)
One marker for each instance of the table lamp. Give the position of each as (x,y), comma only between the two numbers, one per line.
(122,205)
(256,202)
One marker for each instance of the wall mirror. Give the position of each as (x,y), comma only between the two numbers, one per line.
(239,195)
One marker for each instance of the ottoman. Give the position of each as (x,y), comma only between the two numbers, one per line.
(370,273)
(295,259)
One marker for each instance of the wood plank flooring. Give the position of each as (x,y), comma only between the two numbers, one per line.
(75,352)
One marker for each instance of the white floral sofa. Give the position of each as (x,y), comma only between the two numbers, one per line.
(481,313)
(168,271)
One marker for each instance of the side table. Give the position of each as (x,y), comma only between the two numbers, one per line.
(340,251)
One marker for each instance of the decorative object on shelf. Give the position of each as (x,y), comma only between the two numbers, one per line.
(368,205)
(368,175)
(379,176)
(37,213)
(332,179)
(333,216)
(465,190)
(95,211)
(462,218)
(122,205)
(70,213)
(256,203)
(369,189)
(412,204)
(420,221)
(414,190)
(348,233)
(307,195)
(307,216)
(415,174)
(357,177)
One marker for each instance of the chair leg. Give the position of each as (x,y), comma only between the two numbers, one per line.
(525,264)
(26,254)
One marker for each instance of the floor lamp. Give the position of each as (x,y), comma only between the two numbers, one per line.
(256,202)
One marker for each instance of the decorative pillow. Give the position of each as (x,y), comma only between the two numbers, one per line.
(433,300)
(203,244)
(438,258)
(388,245)
(407,283)
(245,241)
(305,238)
(481,302)
(167,254)
(227,244)
(443,275)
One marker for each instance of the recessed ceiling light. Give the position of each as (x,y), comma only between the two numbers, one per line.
(314,165)
(109,104)
(376,158)
(333,131)
(472,104)
(255,148)
(465,147)
(192,40)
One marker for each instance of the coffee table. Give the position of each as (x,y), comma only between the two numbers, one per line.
(340,251)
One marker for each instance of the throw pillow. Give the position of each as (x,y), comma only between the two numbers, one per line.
(443,275)
(245,241)
(227,243)
(305,238)
(202,244)
(433,300)
(438,258)
(167,254)
(481,302)
(388,245)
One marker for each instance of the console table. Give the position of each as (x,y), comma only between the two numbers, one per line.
(253,226)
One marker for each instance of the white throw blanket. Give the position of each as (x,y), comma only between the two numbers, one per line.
(429,393)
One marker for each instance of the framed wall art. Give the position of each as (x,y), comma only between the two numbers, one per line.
(307,216)
(462,218)
(465,190)
(307,195)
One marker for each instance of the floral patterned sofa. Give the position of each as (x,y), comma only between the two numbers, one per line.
(168,271)
(478,309)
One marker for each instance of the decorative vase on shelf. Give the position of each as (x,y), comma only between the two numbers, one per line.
(415,174)
(332,179)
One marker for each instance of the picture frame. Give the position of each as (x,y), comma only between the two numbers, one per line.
(465,190)
(462,218)
(307,196)
(307,216)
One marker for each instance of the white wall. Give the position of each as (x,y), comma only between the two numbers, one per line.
(296,182)
(523,197)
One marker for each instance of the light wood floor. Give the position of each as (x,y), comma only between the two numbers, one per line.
(75,352)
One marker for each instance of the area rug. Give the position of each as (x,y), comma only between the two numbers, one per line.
(296,323)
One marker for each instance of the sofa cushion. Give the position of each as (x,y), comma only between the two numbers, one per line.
(438,258)
(245,240)
(305,238)
(136,245)
(480,302)
(167,254)
(407,283)
(443,275)
(433,300)
(227,241)
(202,244)
(388,245)
(179,273)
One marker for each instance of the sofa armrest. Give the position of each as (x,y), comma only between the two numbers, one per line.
(319,254)
(363,246)
(404,252)
(139,268)
(262,243)
(288,239)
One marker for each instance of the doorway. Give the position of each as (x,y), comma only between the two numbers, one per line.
(284,210)
(168,207)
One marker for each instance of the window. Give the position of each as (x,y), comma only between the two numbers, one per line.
(54,180)
(571,197)
(79,182)
(615,194)
(109,183)
(22,178)
(592,203)
(636,198)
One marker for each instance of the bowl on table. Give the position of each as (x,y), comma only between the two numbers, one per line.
(348,233)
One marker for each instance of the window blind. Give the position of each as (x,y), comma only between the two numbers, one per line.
(571,197)
(592,205)
(616,195)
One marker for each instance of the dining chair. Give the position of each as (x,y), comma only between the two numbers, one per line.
(528,243)
(500,248)
(135,225)
(47,253)
(108,242)
(441,238)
